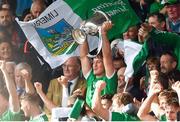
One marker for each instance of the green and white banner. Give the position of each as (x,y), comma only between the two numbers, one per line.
(131,51)
(135,55)
(50,33)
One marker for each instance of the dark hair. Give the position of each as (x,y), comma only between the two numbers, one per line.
(126,98)
(123,98)
(107,96)
(168,93)
(160,17)
(5,33)
(170,53)
(6,40)
(155,61)
(100,55)
(5,9)
(173,101)
(118,58)
(163,79)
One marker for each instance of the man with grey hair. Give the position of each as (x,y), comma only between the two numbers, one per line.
(37,7)
(173,15)
(23,78)
(61,88)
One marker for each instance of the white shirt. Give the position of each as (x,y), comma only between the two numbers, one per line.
(65,94)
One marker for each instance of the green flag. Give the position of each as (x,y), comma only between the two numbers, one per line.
(120,11)
(76,109)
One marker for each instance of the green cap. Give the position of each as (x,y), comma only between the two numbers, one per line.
(76,109)
(169,2)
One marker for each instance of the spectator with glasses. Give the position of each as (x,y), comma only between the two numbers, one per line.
(61,88)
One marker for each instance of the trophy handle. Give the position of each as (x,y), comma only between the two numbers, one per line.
(90,27)
(105,15)
(79,36)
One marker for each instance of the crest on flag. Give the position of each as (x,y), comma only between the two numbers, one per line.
(57,38)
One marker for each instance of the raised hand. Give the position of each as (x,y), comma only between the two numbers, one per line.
(2,65)
(154,74)
(176,86)
(137,102)
(63,80)
(28,17)
(144,32)
(142,82)
(38,87)
(26,75)
(100,85)
(155,89)
(106,26)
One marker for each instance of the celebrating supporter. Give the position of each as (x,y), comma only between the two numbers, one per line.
(102,67)
(10,105)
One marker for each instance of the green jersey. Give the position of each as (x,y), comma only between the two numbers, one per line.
(111,86)
(8,115)
(115,116)
(40,118)
(168,38)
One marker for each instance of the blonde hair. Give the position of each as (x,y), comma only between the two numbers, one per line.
(24,65)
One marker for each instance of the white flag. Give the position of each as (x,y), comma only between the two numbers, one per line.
(50,33)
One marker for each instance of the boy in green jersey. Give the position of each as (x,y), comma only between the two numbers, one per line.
(102,67)
(30,106)
(171,107)
(9,107)
(105,114)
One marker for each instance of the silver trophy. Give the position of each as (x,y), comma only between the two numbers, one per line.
(90,27)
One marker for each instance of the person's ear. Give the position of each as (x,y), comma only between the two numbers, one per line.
(174,64)
(163,24)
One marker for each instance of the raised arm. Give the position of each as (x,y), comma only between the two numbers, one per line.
(96,101)
(168,38)
(29,88)
(144,110)
(48,103)
(176,87)
(106,49)
(85,62)
(10,84)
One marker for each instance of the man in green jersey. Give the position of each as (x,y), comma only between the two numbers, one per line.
(161,37)
(102,67)
(30,106)
(9,107)
(105,113)
(171,107)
